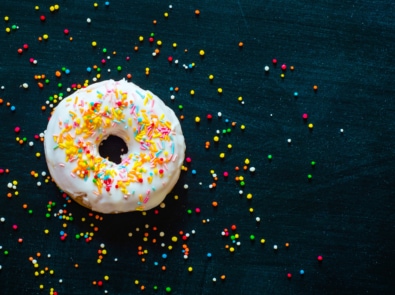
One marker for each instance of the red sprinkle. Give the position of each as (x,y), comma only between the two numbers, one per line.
(66,31)
(320,258)
(274,61)
(289,275)
(42,18)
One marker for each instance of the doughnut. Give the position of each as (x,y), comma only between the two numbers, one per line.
(147,172)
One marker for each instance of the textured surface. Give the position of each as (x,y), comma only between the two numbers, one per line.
(346,213)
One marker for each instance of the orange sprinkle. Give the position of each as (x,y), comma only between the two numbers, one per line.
(9,195)
(223,277)
(136,48)
(315,87)
(176,89)
(43,108)
(287,245)
(163,267)
(58,74)
(24,206)
(292,68)
(38,254)
(245,167)
(1,101)
(214,203)
(237,168)
(197,12)
(154,22)
(182,117)
(40,85)
(8,104)
(142,288)
(76,265)
(129,76)
(241,44)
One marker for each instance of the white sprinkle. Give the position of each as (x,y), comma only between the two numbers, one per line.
(289,140)
(170,6)
(275,247)
(25,85)
(176,61)
(153,53)
(185,186)
(60,281)
(219,114)
(267,68)
(43,173)
(2,219)
(88,20)
(38,183)
(31,143)
(172,97)
(185,257)
(252,169)
(240,192)
(193,231)
(102,245)
(214,280)
(257,219)
(341,130)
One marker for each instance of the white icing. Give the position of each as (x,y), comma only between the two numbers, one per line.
(143,181)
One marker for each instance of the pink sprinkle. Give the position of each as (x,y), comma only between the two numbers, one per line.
(128,58)
(1,170)
(226,174)
(320,258)
(14,227)
(17,129)
(283,67)
(188,160)
(274,61)
(66,31)
(305,116)
(197,210)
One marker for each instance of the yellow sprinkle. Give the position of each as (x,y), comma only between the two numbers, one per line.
(242,127)
(216,138)
(166,14)
(174,239)
(38,155)
(192,92)
(201,52)
(246,161)
(141,38)
(106,278)
(222,155)
(94,43)
(159,42)
(174,45)
(240,98)
(45,36)
(311,125)
(6,18)
(190,269)
(263,241)
(197,119)
(251,210)
(231,249)
(219,90)
(249,196)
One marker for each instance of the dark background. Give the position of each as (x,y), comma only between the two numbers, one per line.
(345,213)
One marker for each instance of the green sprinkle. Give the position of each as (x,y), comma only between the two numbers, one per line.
(252,237)
(232,237)
(155,287)
(104,50)
(63,69)
(30,211)
(189,211)
(46,81)
(242,183)
(270,157)
(152,35)
(309,176)
(47,215)
(229,130)
(5,252)
(77,236)
(60,85)
(168,289)
(119,68)
(180,107)
(312,163)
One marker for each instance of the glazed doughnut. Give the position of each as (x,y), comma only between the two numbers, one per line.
(152,133)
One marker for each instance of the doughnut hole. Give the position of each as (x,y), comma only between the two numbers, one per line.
(112,148)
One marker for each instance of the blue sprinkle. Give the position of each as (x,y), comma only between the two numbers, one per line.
(107,3)
(88,69)
(67,71)
(301,272)
(296,94)
(226,120)
(61,233)
(190,66)
(193,171)
(209,255)
(164,256)
(156,263)
(13,108)
(171,88)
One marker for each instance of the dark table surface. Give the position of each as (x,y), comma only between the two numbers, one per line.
(344,213)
